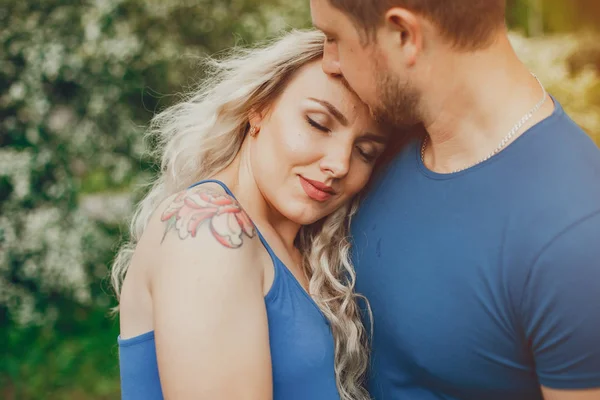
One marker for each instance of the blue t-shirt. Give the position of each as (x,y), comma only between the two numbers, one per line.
(485,284)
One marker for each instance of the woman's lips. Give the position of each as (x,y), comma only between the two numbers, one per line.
(313,192)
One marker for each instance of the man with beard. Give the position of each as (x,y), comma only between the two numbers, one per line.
(477,248)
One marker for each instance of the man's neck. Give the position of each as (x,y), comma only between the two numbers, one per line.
(476,101)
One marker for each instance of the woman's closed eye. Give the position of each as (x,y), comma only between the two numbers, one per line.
(317,125)
(367,152)
(369,155)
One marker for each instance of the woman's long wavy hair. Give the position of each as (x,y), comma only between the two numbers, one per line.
(201,135)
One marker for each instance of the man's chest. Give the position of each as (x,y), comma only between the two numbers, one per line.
(443,303)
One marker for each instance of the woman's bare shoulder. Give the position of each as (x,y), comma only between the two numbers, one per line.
(202,227)
(184,214)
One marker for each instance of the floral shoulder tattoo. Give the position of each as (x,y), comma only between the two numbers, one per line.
(227,221)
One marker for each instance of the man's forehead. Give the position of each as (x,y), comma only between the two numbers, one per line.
(322,13)
(329,19)
(315,12)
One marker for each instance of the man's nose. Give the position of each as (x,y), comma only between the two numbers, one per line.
(331,63)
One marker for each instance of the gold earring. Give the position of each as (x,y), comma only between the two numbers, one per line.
(253,131)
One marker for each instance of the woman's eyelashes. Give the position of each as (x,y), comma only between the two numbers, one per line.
(316,125)
(368,156)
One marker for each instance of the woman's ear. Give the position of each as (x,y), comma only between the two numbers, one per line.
(255,119)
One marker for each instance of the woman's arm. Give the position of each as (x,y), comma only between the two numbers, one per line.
(210,319)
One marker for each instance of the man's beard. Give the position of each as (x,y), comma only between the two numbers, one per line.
(398,106)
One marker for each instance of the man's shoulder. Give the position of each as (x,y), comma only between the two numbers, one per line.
(563,139)
(554,162)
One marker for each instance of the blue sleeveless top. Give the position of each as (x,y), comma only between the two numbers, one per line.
(301,342)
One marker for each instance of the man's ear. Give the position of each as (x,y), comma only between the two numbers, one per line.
(404,31)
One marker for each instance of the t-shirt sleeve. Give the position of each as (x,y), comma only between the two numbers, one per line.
(560,308)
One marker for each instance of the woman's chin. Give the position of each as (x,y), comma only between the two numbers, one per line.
(306,211)
(305,215)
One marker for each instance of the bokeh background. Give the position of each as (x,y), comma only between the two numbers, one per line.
(79,80)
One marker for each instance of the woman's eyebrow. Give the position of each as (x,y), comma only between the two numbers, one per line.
(375,137)
(334,111)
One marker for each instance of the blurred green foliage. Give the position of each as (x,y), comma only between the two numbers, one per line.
(556,16)
(78,82)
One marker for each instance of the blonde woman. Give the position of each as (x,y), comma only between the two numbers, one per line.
(237,281)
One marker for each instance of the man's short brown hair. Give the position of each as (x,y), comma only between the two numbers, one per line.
(468,24)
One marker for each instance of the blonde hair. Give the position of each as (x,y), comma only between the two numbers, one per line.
(201,135)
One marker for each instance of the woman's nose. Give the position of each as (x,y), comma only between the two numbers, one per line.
(336,162)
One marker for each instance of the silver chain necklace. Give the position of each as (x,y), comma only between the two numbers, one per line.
(506,139)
